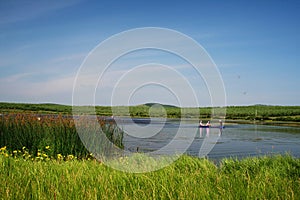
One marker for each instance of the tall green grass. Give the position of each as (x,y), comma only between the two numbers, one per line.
(188,178)
(56,131)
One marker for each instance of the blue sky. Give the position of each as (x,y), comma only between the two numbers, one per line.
(255,45)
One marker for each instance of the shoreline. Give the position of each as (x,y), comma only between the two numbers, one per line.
(225,121)
(260,122)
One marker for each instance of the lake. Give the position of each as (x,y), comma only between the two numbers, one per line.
(239,140)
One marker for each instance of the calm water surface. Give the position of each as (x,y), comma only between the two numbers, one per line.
(239,140)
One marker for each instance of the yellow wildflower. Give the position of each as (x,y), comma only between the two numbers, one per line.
(59,156)
(3,148)
(70,157)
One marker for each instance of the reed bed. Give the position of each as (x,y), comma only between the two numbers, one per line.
(55,134)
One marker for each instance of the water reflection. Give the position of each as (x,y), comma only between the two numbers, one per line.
(234,141)
(206,130)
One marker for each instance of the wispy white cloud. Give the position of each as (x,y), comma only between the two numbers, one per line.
(14,11)
(15,77)
(19,87)
(71,57)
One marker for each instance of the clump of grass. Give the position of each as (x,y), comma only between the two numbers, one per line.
(262,178)
(188,178)
(56,131)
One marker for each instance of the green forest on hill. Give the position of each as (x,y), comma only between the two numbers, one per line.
(252,112)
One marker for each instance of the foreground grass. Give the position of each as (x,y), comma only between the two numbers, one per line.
(188,178)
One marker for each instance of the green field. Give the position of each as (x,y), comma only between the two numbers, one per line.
(254,112)
(276,177)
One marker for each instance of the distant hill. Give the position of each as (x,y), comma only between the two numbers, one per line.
(163,105)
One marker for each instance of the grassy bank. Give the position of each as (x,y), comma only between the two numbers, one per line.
(188,178)
(254,112)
